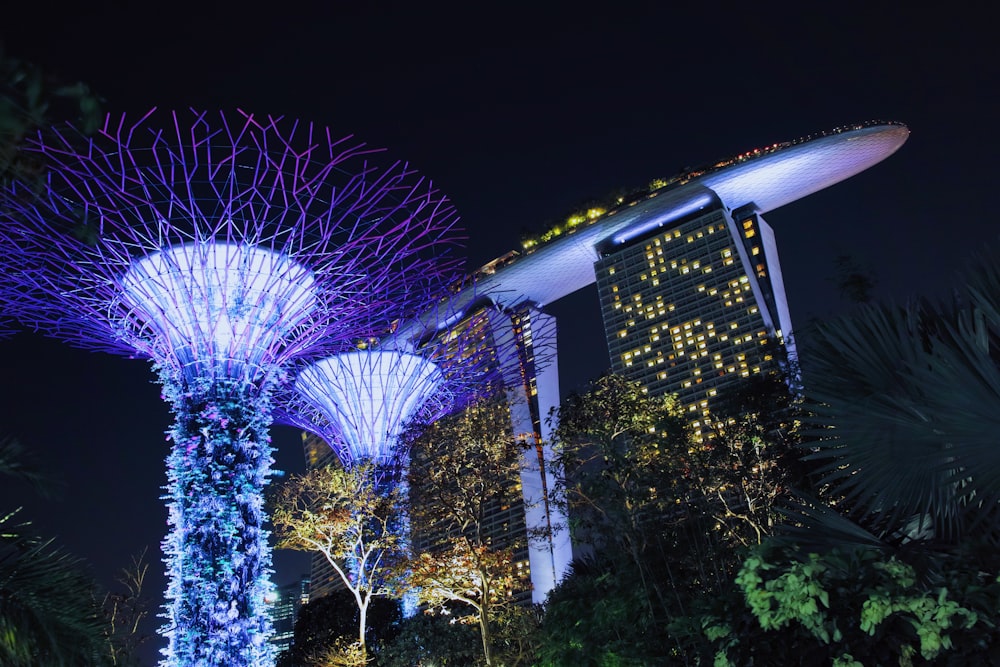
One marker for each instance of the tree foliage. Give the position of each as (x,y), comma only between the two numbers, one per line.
(894,561)
(906,402)
(31,100)
(327,627)
(349,517)
(124,610)
(669,516)
(432,639)
(851,608)
(465,468)
(48,614)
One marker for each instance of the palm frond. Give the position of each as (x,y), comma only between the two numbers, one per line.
(48,613)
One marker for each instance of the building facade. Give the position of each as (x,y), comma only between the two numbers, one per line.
(695,307)
(284,610)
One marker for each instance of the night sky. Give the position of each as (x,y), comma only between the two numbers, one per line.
(519,114)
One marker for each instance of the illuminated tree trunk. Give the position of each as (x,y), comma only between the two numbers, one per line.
(216,552)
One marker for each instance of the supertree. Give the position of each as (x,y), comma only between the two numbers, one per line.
(360,401)
(221,247)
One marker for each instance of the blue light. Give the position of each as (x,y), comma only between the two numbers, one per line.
(664,218)
(217,556)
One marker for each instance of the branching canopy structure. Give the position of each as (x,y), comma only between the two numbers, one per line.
(222,247)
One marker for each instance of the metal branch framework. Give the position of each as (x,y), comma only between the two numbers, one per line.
(222,247)
(360,401)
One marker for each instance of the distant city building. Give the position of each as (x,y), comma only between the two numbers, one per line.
(284,610)
(695,307)
(520,343)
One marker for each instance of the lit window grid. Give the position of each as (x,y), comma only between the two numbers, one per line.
(707,312)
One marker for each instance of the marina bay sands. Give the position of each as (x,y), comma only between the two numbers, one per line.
(689,286)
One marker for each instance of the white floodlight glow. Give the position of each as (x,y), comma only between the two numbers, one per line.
(220,305)
(369,395)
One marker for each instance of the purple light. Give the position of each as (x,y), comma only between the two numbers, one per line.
(222,249)
(219,307)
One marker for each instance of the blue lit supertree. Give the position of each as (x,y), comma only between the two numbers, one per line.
(221,247)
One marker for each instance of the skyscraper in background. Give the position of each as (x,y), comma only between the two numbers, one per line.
(695,307)
(284,609)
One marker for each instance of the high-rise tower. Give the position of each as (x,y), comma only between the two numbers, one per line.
(696,306)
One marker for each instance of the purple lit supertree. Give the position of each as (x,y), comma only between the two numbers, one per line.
(221,248)
(360,401)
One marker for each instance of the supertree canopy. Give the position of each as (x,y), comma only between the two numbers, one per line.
(221,247)
(360,400)
(367,396)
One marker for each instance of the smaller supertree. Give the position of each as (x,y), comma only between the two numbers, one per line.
(360,402)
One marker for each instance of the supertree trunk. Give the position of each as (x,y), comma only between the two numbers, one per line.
(216,552)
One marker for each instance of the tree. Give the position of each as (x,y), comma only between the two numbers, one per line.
(596,616)
(465,468)
(906,404)
(124,610)
(753,462)
(854,282)
(622,453)
(345,514)
(328,625)
(47,610)
(903,533)
(432,639)
(30,100)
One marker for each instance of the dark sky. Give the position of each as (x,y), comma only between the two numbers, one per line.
(518,113)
